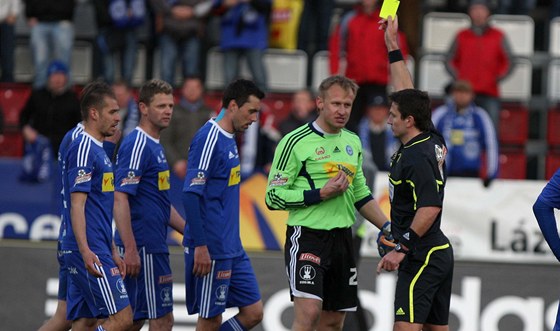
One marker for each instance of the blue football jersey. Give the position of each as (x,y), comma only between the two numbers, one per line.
(551,192)
(213,173)
(89,170)
(142,172)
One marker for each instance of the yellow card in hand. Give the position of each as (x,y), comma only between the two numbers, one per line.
(389,8)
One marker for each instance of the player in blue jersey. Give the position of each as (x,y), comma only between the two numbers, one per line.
(143,210)
(218,273)
(548,200)
(95,289)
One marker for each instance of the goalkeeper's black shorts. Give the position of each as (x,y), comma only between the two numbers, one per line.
(321,265)
(423,292)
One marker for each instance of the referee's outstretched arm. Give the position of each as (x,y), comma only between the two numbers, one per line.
(400,76)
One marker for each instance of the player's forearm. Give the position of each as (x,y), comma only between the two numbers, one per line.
(121,213)
(78,219)
(373,213)
(176,222)
(286,199)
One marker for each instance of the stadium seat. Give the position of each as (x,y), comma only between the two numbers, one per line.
(432,75)
(552,164)
(12,146)
(520,31)
(554,42)
(553,129)
(280,104)
(439,30)
(287,69)
(553,90)
(320,63)
(513,164)
(82,58)
(517,85)
(514,125)
(85,26)
(12,99)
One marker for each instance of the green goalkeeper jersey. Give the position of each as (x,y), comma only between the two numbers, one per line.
(304,161)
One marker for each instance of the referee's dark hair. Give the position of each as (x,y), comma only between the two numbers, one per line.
(93,96)
(240,90)
(415,103)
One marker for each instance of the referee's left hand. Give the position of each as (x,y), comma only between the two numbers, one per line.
(390,262)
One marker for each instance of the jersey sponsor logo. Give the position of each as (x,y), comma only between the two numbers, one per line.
(307,273)
(234,176)
(349,150)
(324,157)
(278,180)
(319,151)
(200,179)
(82,177)
(163,180)
(336,150)
(108,184)
(310,257)
(221,294)
(164,279)
(115,271)
(131,179)
(224,274)
(346,170)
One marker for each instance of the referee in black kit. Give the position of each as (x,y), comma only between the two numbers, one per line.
(423,255)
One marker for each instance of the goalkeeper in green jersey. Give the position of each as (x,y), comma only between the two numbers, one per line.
(317,176)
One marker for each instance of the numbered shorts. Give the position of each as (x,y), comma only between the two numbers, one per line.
(320,265)
(92,297)
(151,292)
(230,283)
(62,274)
(423,292)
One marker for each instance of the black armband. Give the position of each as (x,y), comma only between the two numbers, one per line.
(409,239)
(395,56)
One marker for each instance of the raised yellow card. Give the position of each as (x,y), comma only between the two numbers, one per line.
(389,8)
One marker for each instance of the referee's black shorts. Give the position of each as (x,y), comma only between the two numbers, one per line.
(423,292)
(320,265)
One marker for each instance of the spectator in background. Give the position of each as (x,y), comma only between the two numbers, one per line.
(9,10)
(179,25)
(378,141)
(244,33)
(515,7)
(314,27)
(128,108)
(52,30)
(52,110)
(481,55)
(359,38)
(189,115)
(303,111)
(469,134)
(118,24)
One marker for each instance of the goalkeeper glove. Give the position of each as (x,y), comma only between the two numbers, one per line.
(385,240)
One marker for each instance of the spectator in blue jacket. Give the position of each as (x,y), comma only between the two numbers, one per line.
(469,134)
(244,33)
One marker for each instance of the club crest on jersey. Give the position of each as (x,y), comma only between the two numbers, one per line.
(108,184)
(131,179)
(221,294)
(278,180)
(200,179)
(82,177)
(235,176)
(307,273)
(165,295)
(120,286)
(349,150)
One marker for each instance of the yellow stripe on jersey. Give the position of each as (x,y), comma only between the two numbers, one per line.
(234,176)
(163,180)
(108,184)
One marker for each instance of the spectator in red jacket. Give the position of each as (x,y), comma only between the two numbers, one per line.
(481,55)
(358,52)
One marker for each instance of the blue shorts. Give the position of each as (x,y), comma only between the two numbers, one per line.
(62,274)
(230,283)
(91,297)
(151,292)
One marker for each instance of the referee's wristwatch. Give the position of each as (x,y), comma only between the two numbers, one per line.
(401,249)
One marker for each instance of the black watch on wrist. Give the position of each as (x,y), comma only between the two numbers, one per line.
(401,249)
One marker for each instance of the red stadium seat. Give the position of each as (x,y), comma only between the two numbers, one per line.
(12,99)
(553,128)
(513,164)
(12,146)
(514,125)
(552,164)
